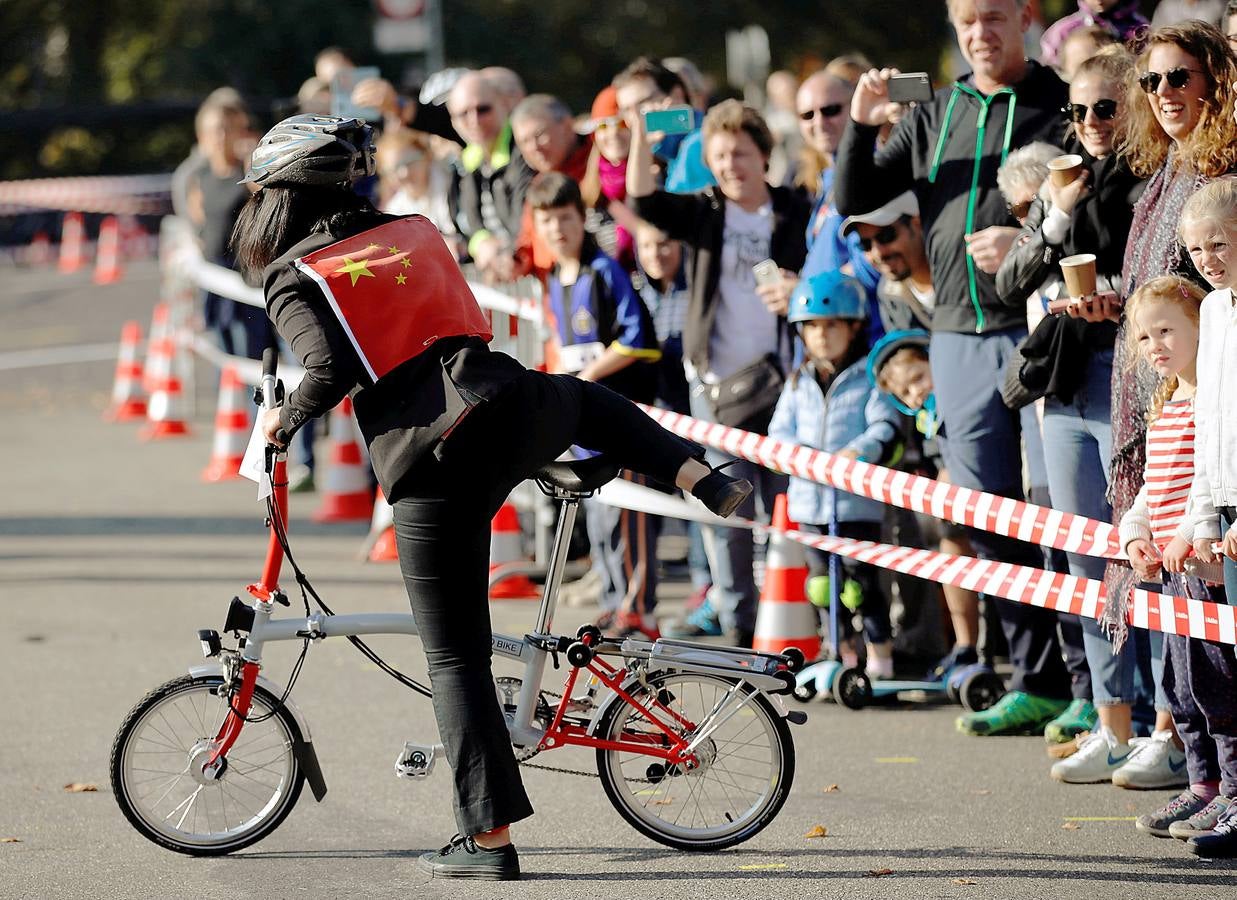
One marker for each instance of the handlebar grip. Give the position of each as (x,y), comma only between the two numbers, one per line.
(281,436)
(270,362)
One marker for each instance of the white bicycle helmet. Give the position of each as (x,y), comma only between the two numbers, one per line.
(313,150)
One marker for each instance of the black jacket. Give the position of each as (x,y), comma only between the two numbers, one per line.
(403,415)
(932,152)
(700,221)
(1100,224)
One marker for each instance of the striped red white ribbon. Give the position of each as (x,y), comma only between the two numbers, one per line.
(978,509)
(1050,590)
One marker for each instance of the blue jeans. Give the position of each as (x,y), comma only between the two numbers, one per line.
(1078,447)
(731,551)
(983,450)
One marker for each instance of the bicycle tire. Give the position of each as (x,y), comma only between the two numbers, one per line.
(649,809)
(153,728)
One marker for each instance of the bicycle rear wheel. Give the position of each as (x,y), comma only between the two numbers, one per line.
(746,765)
(156,769)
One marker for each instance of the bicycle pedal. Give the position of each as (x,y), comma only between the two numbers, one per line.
(417,760)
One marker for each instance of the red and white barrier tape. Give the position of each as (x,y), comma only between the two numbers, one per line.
(1051,590)
(1021,584)
(987,512)
(100,194)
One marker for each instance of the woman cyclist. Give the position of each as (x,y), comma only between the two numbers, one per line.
(376,307)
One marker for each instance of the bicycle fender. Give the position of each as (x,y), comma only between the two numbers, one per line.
(306,756)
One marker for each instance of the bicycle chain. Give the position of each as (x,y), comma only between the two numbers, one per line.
(561,771)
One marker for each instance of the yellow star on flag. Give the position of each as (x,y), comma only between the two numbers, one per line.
(393,249)
(406,263)
(372,246)
(355,269)
(401,278)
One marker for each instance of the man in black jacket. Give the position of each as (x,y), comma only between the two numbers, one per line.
(947,151)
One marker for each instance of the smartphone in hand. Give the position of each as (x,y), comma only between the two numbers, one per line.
(767,272)
(910,87)
(672,120)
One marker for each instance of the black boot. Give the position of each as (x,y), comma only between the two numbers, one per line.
(721,493)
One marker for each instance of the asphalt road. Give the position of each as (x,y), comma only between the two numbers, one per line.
(112,554)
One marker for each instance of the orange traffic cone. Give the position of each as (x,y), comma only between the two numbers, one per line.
(231,428)
(505,541)
(381,541)
(784,617)
(72,242)
(165,412)
(345,489)
(128,398)
(107,260)
(40,249)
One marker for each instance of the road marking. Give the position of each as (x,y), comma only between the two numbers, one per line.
(1101,818)
(897,759)
(760,867)
(53,356)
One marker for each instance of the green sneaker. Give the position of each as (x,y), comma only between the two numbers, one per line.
(1015,713)
(1078,717)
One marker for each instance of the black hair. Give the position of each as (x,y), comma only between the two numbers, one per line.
(276,218)
(855,351)
(554,190)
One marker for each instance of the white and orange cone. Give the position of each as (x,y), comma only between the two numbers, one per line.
(345,488)
(128,398)
(784,617)
(380,545)
(72,242)
(505,547)
(232,426)
(165,413)
(107,260)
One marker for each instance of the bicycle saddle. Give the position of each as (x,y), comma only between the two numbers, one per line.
(579,476)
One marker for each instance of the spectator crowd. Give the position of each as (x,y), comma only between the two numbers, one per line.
(885,281)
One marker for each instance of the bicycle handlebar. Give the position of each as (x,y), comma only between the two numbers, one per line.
(270,390)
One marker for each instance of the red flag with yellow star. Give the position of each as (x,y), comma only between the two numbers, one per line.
(396,289)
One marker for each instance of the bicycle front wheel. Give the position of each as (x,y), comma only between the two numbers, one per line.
(157,759)
(746,763)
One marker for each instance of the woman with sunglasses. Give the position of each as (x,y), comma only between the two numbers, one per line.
(1178,133)
(1090,215)
(604,186)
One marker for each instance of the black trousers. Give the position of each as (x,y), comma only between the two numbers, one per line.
(443,533)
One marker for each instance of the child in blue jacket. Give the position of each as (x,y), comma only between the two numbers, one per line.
(829,404)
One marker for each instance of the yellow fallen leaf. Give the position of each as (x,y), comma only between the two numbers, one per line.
(831,789)
(817,831)
(878,873)
(965,881)
(77,787)
(1071,826)
(10,840)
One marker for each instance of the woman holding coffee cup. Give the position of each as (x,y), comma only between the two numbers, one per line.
(1080,226)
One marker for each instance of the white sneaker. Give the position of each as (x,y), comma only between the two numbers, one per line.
(1097,758)
(1155,763)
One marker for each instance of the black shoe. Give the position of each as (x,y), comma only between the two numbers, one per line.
(1220,842)
(462,858)
(721,493)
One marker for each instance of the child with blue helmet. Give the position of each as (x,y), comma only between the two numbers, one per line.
(829,404)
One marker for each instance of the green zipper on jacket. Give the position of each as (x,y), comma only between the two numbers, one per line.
(981,128)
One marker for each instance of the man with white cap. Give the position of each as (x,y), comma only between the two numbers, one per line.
(892,238)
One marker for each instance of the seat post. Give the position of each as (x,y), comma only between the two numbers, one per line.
(558,559)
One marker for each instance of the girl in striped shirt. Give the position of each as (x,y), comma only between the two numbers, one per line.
(1157,535)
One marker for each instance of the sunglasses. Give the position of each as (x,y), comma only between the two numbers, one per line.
(1019,210)
(1177,78)
(1103,109)
(827,112)
(886,235)
(615,122)
(481,109)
